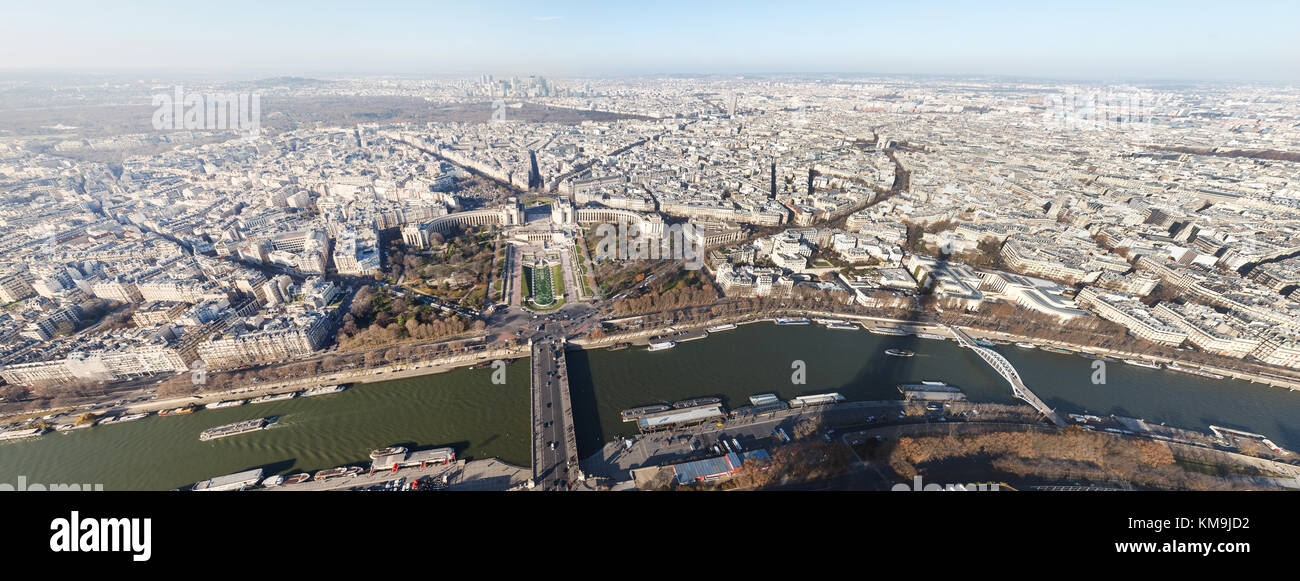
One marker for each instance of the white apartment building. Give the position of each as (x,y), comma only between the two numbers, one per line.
(1212,331)
(357,253)
(14,287)
(1128,311)
(1280,347)
(268,341)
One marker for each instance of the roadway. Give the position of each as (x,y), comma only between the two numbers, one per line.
(555,443)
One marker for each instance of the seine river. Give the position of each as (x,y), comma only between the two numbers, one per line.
(460,408)
(759,358)
(464,409)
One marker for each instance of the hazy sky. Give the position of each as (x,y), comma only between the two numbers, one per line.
(1225,40)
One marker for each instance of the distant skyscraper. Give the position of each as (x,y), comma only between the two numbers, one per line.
(773,196)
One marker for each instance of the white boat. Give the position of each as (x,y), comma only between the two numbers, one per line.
(125,418)
(763,399)
(298,478)
(337,472)
(888,331)
(842,326)
(274,397)
(931,336)
(234,429)
(389,451)
(662,346)
(792,321)
(1026,345)
(816,399)
(238,481)
(323,390)
(642,411)
(1141,363)
(273,481)
(224,404)
(20,434)
(1193,371)
(726,327)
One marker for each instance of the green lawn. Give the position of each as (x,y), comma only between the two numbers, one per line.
(543,294)
(557,275)
(581,269)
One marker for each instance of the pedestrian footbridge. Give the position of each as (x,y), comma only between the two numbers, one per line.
(1008,372)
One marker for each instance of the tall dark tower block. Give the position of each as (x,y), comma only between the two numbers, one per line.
(774,180)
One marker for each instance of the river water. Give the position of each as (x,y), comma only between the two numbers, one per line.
(462,408)
(760,358)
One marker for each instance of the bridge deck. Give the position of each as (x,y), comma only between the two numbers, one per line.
(1008,372)
(552,416)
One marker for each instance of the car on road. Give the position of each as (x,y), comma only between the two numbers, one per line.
(552,445)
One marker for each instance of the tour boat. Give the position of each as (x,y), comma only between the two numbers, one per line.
(298,478)
(888,331)
(1141,363)
(389,451)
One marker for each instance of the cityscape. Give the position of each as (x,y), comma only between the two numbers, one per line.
(514,280)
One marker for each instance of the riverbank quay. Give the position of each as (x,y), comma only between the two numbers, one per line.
(618,460)
(489,474)
(1284,476)
(634,462)
(643,336)
(1291,385)
(352,376)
